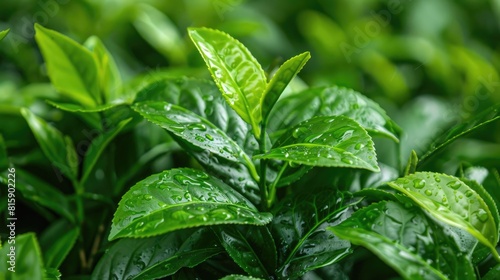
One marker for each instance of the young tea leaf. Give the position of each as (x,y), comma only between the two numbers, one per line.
(335,141)
(236,72)
(110,81)
(177,199)
(451,201)
(407,241)
(280,80)
(59,239)
(71,67)
(332,101)
(4,33)
(156,257)
(56,147)
(411,166)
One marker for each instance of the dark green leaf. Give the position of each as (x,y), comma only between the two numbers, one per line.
(97,147)
(335,141)
(181,198)
(299,228)
(56,147)
(71,67)
(4,161)
(280,80)
(406,240)
(4,33)
(156,257)
(493,274)
(110,81)
(51,274)
(207,143)
(332,101)
(236,72)
(251,247)
(38,191)
(28,259)
(451,201)
(411,166)
(462,129)
(239,277)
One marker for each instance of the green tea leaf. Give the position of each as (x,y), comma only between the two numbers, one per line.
(28,263)
(236,72)
(488,199)
(411,166)
(493,274)
(239,277)
(110,81)
(156,257)
(332,101)
(407,240)
(4,161)
(97,147)
(280,80)
(204,99)
(72,68)
(4,33)
(52,274)
(451,201)
(251,247)
(56,147)
(181,198)
(326,141)
(461,129)
(299,229)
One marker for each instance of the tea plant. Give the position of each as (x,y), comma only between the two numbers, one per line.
(268,186)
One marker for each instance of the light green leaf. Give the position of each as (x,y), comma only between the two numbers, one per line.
(4,33)
(280,80)
(461,129)
(52,274)
(159,31)
(70,107)
(156,257)
(411,166)
(336,141)
(251,247)
(332,101)
(57,148)
(28,260)
(72,68)
(451,201)
(236,72)
(177,199)
(406,240)
(97,147)
(110,81)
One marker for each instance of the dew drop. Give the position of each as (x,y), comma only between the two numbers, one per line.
(287,155)
(482,215)
(147,197)
(428,192)
(359,146)
(197,126)
(209,137)
(454,185)
(468,193)
(199,138)
(347,160)
(299,131)
(418,183)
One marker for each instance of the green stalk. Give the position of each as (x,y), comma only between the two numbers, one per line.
(263,168)
(272,188)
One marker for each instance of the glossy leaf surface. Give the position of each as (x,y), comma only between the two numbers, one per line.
(332,101)
(280,80)
(236,72)
(56,147)
(71,67)
(299,228)
(156,257)
(60,247)
(334,141)
(407,241)
(451,201)
(177,199)
(251,247)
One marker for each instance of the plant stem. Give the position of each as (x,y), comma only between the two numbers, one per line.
(272,188)
(263,168)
